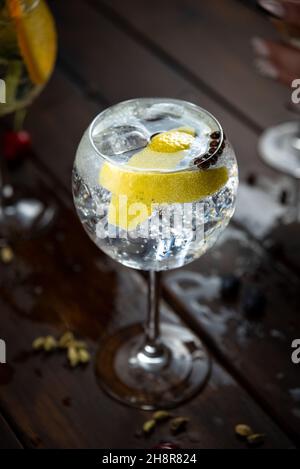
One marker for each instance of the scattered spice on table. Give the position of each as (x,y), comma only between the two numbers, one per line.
(160,417)
(6,255)
(178,425)
(149,426)
(50,343)
(77,352)
(257,439)
(243,430)
(246,433)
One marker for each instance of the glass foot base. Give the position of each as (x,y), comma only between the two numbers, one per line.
(125,373)
(23,215)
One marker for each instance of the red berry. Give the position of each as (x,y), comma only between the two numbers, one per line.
(16,144)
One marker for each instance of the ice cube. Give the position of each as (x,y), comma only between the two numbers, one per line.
(82,193)
(121,139)
(160,111)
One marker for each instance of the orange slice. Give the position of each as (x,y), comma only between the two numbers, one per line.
(36,38)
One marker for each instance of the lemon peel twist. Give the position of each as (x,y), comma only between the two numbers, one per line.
(135,192)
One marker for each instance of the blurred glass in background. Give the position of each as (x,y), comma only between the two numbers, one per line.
(28,47)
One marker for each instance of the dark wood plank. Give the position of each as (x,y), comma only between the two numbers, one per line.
(8,439)
(209,43)
(57,120)
(256,349)
(283,243)
(62,281)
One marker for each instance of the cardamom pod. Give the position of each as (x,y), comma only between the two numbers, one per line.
(6,255)
(50,343)
(78,344)
(83,355)
(256,439)
(161,415)
(243,430)
(65,339)
(73,356)
(178,424)
(149,426)
(38,343)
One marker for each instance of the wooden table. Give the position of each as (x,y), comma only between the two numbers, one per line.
(112,50)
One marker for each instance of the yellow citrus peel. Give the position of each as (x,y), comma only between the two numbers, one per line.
(134,192)
(171,141)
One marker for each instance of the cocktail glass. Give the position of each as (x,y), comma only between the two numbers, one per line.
(27,56)
(154,185)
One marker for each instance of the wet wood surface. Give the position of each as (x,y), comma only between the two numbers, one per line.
(8,439)
(108,53)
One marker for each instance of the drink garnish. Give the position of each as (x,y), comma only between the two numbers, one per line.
(36,38)
(215,150)
(171,141)
(16,145)
(149,187)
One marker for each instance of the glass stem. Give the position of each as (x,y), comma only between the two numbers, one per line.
(153,353)
(152,321)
